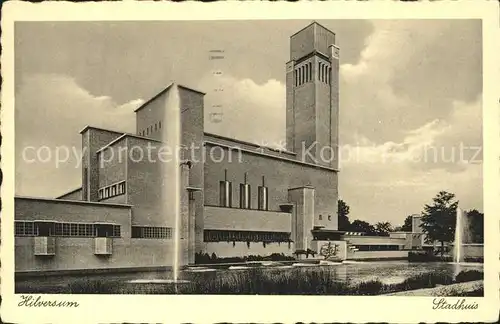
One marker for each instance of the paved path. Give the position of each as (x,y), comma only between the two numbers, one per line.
(448,290)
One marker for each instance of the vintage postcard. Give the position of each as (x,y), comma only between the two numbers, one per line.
(192,163)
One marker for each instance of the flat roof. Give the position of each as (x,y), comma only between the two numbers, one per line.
(76,202)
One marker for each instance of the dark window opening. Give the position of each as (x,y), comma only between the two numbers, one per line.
(245,236)
(150,232)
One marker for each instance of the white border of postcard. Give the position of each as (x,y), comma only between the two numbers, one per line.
(210,309)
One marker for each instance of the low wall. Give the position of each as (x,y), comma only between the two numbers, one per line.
(220,218)
(240,249)
(366,255)
(73,253)
(375,240)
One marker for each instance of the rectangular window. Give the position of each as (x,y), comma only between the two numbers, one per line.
(73,230)
(23,228)
(113,190)
(81,230)
(116,231)
(65,229)
(106,193)
(58,229)
(150,232)
(159,124)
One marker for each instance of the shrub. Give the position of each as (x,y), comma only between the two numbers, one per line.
(372,287)
(93,286)
(469,275)
(201,258)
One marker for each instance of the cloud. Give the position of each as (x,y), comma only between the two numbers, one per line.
(51,109)
(250,111)
(401,83)
(381,180)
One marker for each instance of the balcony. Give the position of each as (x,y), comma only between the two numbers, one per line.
(103,246)
(44,246)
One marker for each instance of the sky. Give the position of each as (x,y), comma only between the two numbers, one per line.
(410,98)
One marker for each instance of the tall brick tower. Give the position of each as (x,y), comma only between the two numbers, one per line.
(312,96)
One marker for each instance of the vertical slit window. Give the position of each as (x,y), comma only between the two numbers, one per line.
(225,192)
(85,183)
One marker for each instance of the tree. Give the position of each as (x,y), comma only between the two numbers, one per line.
(439,218)
(407,226)
(362,226)
(383,228)
(476,226)
(343,219)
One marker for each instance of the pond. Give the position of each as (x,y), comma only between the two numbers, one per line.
(387,272)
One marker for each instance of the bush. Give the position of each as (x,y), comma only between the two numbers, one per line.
(93,286)
(422,257)
(469,275)
(204,258)
(372,287)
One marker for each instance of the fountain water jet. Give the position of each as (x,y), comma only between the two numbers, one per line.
(457,245)
(171,137)
(461,237)
(171,173)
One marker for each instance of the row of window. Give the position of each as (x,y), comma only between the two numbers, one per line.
(151,232)
(112,190)
(226,196)
(378,247)
(150,129)
(32,228)
(244,236)
(324,72)
(304,73)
